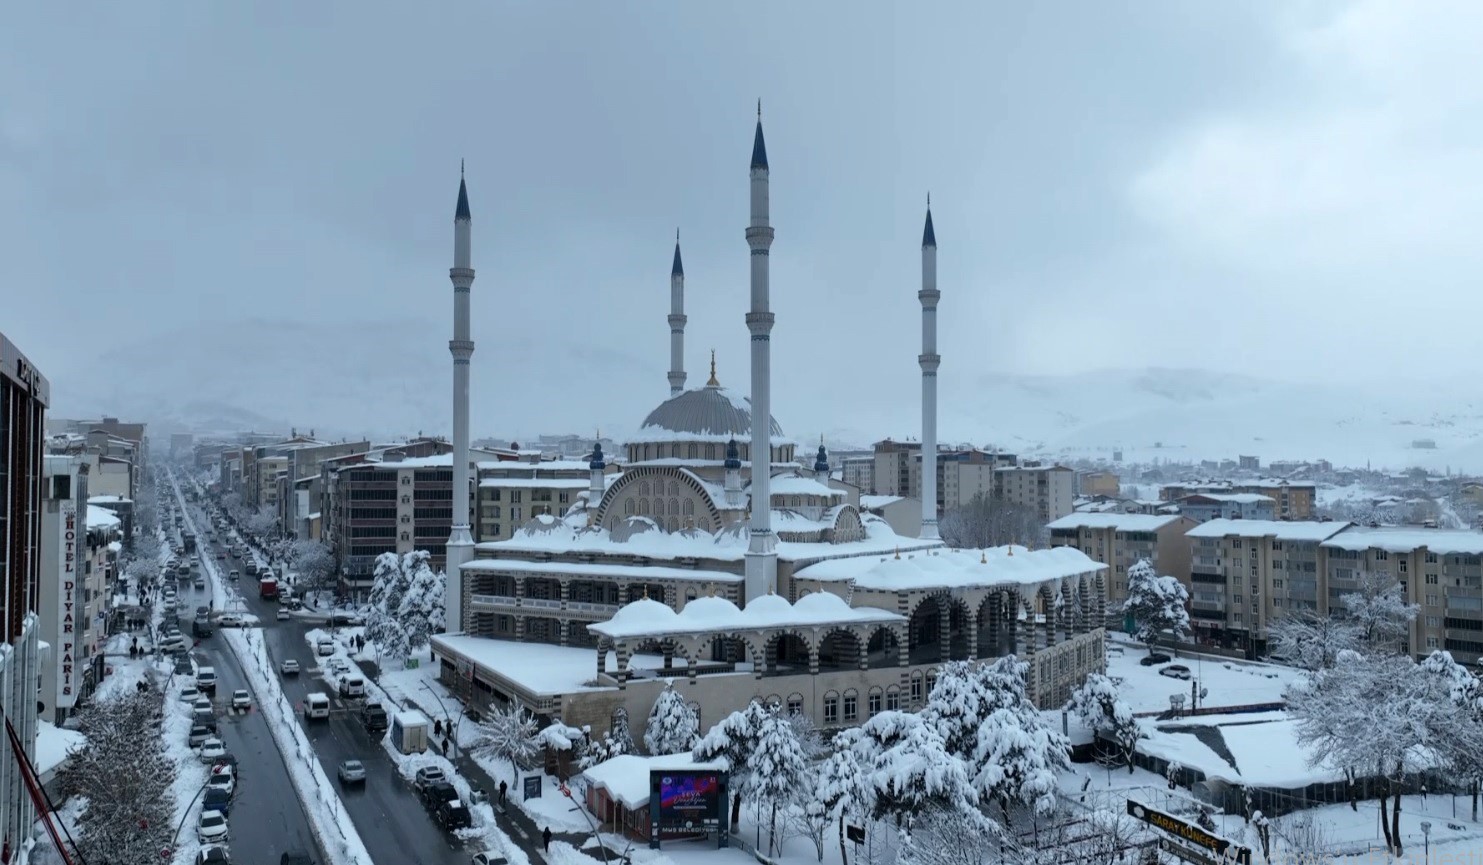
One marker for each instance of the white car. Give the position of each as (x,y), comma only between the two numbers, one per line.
(190,694)
(289,667)
(223,777)
(212,827)
(212,750)
(241,700)
(282,615)
(201,704)
(229,620)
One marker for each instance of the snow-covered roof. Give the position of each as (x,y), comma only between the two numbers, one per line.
(599,569)
(702,414)
(52,745)
(793,485)
(646,617)
(535,483)
(412,718)
(872,502)
(433,462)
(102,518)
(945,568)
(541,668)
(1118,522)
(1306,530)
(513,466)
(727,545)
(625,778)
(107,500)
(1445,542)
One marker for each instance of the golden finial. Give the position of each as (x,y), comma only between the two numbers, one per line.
(1011,548)
(898,553)
(646,593)
(713,382)
(712,590)
(983,558)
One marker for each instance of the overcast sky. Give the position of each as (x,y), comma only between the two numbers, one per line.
(1285,189)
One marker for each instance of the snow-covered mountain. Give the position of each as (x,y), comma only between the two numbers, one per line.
(389,376)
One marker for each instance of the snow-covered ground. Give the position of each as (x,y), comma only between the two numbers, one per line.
(1229,682)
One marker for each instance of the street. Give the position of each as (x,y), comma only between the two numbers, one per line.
(388,815)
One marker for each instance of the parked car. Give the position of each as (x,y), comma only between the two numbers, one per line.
(216,800)
(1154,659)
(436,793)
(183,665)
(373,717)
(212,749)
(213,856)
(189,694)
(429,775)
(289,667)
(198,735)
(204,718)
(352,772)
(487,858)
(1176,671)
(211,828)
(325,648)
(223,778)
(453,815)
(353,688)
(241,700)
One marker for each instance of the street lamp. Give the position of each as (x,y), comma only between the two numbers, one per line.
(447,718)
(1426,835)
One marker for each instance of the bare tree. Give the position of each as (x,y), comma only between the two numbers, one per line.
(987,521)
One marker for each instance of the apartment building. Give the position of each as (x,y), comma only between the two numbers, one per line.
(1245,573)
(1048,490)
(299,485)
(891,475)
(1122,540)
(1292,500)
(396,505)
(1203,507)
(1099,483)
(24,396)
(510,492)
(1439,569)
(858,472)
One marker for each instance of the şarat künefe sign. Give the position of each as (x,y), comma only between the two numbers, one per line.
(1189,832)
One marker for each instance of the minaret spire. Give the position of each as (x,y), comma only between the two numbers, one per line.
(762,557)
(677,321)
(929,360)
(460,541)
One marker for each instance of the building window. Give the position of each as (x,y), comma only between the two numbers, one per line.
(628,507)
(916,688)
(795,704)
(851,706)
(873,702)
(1431,579)
(831,708)
(893,699)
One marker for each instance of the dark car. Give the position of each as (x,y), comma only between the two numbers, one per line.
(452,815)
(295,859)
(435,794)
(216,799)
(373,716)
(1155,659)
(341,620)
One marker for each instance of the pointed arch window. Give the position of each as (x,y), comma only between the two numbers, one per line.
(644,507)
(643,488)
(659,507)
(628,507)
(694,451)
(674,504)
(688,507)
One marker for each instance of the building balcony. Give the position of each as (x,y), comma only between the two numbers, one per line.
(544,605)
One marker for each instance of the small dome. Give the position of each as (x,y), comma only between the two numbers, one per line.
(718,611)
(597,457)
(768,608)
(822,605)
(706,411)
(645,612)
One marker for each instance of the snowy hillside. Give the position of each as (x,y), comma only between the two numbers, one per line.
(390,376)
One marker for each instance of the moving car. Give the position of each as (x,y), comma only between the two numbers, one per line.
(212,750)
(234,575)
(487,858)
(282,615)
(200,582)
(1155,659)
(317,707)
(373,716)
(352,772)
(289,667)
(206,679)
(230,620)
(211,828)
(353,688)
(241,700)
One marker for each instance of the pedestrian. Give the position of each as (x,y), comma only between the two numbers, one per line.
(502,787)
(546,839)
(437,727)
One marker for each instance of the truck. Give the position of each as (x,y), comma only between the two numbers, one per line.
(268,588)
(189,540)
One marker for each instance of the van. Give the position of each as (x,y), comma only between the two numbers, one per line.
(317,707)
(353,688)
(206,679)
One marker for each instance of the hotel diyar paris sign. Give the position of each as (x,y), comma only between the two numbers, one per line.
(67,608)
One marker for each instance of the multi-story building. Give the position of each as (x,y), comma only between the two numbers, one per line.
(510,492)
(182,445)
(1099,483)
(891,475)
(1441,570)
(1122,540)
(1202,507)
(1291,500)
(1047,490)
(300,484)
(231,470)
(24,396)
(859,472)
(114,437)
(1245,573)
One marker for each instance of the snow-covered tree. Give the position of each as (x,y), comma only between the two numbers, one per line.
(987,521)
(1156,603)
(1099,707)
(314,562)
(394,627)
(1016,756)
(421,606)
(1379,612)
(809,737)
(843,791)
(621,735)
(673,727)
(944,835)
(1310,639)
(918,771)
(775,770)
(125,776)
(263,522)
(956,706)
(731,741)
(510,734)
(1383,713)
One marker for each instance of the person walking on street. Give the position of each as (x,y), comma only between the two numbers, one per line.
(502,787)
(546,839)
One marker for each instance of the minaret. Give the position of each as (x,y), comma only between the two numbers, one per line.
(460,541)
(929,359)
(677,322)
(821,464)
(597,484)
(762,557)
(734,497)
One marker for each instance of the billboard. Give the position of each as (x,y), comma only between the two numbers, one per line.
(686,802)
(1190,833)
(67,582)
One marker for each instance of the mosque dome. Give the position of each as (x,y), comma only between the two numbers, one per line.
(706,413)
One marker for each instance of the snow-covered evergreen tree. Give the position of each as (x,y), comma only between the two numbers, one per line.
(843,790)
(956,706)
(125,776)
(510,734)
(673,727)
(809,737)
(622,735)
(1156,603)
(775,770)
(1100,708)
(918,770)
(314,562)
(423,598)
(731,741)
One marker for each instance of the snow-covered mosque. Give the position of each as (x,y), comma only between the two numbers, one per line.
(666,571)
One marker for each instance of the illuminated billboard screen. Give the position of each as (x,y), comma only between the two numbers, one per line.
(687,801)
